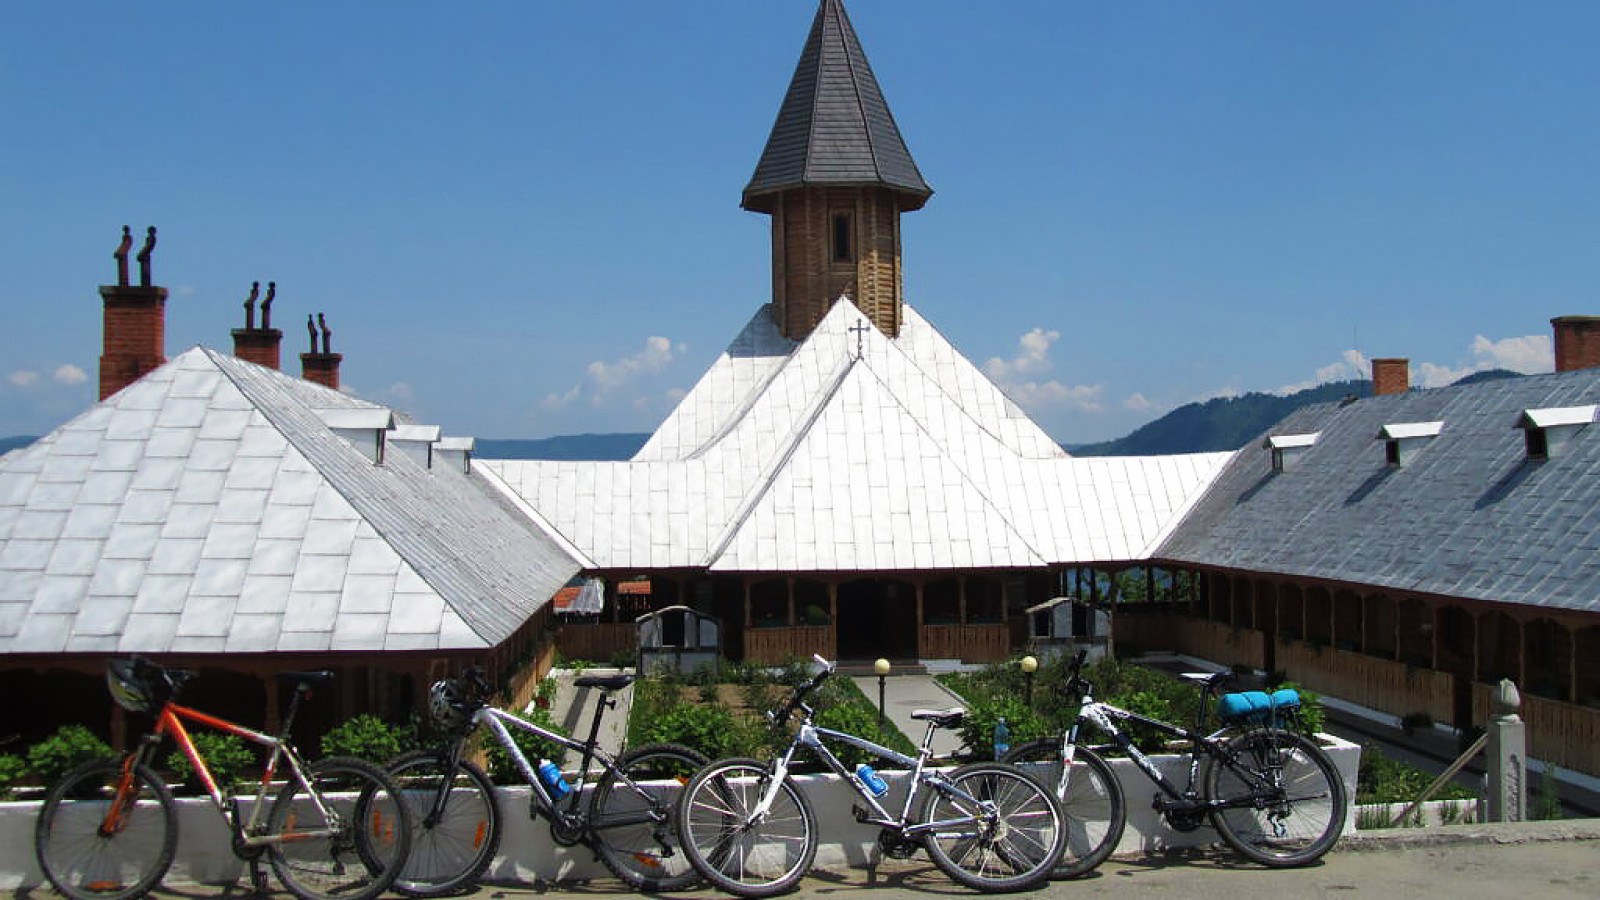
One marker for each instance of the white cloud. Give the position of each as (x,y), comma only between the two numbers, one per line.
(23,378)
(1527,355)
(603,379)
(70,374)
(401,391)
(1352,365)
(1034,394)
(1137,402)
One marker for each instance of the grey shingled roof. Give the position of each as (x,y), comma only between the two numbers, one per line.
(834,127)
(1467,516)
(210,507)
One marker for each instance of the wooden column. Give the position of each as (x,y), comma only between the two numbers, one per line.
(961,599)
(749,619)
(788,586)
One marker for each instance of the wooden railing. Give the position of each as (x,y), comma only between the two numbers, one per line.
(596,641)
(968,643)
(1216,641)
(1564,734)
(1380,684)
(771,646)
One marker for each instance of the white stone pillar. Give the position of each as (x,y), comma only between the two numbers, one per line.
(1507,752)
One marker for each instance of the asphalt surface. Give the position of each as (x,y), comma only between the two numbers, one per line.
(1543,860)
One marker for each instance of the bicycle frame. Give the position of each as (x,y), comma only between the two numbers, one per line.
(248,833)
(499,722)
(1104,718)
(811,737)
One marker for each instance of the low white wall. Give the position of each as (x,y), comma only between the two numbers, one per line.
(527,854)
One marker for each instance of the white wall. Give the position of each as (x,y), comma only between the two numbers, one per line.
(528,854)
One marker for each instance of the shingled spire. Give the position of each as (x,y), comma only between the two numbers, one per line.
(835,176)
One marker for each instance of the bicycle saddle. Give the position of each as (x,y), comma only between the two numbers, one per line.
(944,718)
(603,682)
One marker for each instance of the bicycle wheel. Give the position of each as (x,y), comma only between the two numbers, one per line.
(635,831)
(358,854)
(1091,800)
(96,842)
(1283,800)
(1008,843)
(734,849)
(450,850)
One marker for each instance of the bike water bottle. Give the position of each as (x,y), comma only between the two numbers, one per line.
(550,776)
(872,780)
(1002,738)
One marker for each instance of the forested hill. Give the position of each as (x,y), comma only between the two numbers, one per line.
(1228,423)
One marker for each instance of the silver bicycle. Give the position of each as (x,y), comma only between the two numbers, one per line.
(749,829)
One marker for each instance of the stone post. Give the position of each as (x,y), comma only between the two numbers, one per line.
(1507,752)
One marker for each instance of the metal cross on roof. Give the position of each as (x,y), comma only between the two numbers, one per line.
(859,329)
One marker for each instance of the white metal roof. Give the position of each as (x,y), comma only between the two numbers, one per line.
(1553,416)
(853,451)
(1400,431)
(209,507)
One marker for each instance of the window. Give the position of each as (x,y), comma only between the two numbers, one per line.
(1288,448)
(1548,431)
(1402,440)
(843,239)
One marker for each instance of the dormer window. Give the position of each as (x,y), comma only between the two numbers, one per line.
(1288,448)
(1402,440)
(1548,431)
(362,427)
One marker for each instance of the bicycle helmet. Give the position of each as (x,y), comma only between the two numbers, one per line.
(129,686)
(449,709)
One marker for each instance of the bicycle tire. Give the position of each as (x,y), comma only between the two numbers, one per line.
(449,854)
(365,857)
(85,863)
(1092,801)
(741,857)
(1303,816)
(637,836)
(1014,848)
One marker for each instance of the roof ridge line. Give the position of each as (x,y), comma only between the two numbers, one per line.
(751,398)
(369,513)
(977,485)
(855,88)
(779,462)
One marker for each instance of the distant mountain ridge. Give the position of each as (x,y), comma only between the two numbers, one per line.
(570,446)
(1224,423)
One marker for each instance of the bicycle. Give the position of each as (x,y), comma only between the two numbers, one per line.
(629,820)
(750,831)
(1271,793)
(108,830)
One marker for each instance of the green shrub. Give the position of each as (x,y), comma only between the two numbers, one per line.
(977,729)
(70,746)
(623,659)
(1385,780)
(226,755)
(501,766)
(12,770)
(712,729)
(370,738)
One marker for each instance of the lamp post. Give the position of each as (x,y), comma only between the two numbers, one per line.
(880,667)
(1029,665)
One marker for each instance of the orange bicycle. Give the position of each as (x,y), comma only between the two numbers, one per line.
(336,829)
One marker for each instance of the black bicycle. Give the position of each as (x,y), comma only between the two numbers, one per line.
(1270,792)
(628,817)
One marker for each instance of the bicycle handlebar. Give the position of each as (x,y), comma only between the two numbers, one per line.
(797,699)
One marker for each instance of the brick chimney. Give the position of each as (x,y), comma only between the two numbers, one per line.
(258,345)
(1390,376)
(1577,342)
(323,367)
(134,333)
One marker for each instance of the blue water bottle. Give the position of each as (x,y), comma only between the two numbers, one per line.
(872,780)
(554,784)
(1002,738)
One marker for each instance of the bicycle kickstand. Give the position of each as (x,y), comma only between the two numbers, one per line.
(258,878)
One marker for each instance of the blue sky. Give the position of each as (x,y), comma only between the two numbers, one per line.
(521,218)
